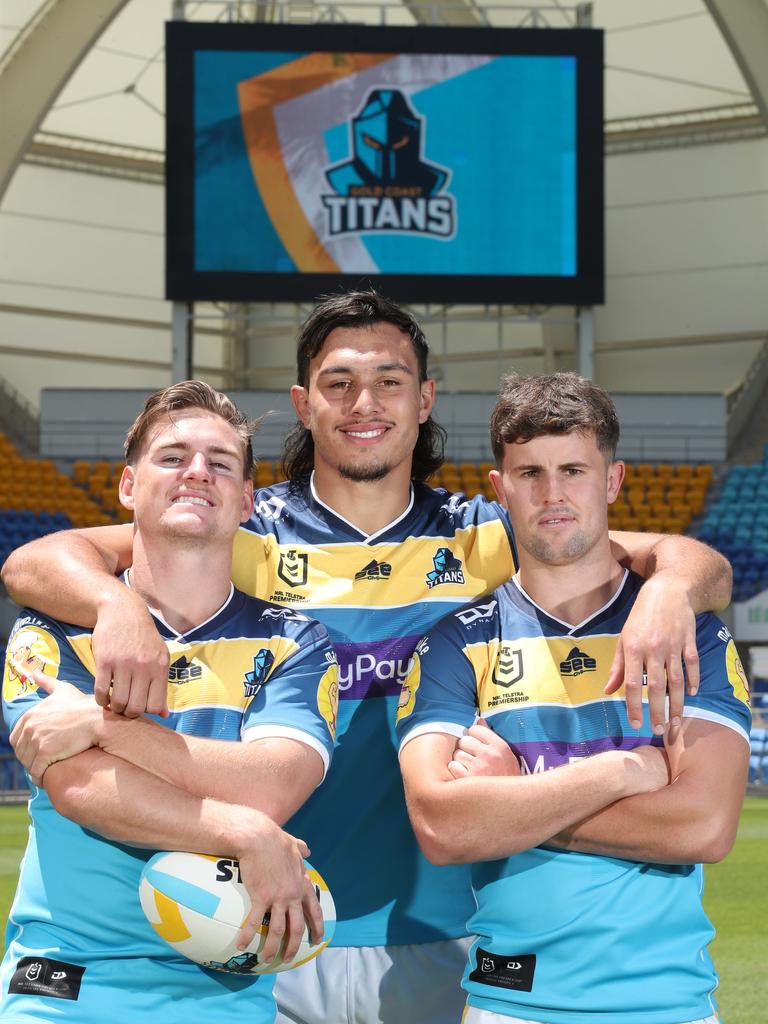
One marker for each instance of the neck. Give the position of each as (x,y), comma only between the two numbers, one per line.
(560,589)
(185,584)
(369,505)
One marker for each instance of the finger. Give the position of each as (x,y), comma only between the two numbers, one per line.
(458,770)
(45,682)
(616,673)
(468,745)
(692,670)
(657,694)
(157,694)
(121,691)
(313,913)
(275,932)
(254,923)
(136,704)
(633,688)
(675,687)
(102,683)
(295,931)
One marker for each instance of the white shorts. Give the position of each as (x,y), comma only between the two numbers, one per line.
(474,1016)
(418,984)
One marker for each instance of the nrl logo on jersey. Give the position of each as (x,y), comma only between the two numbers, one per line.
(385,186)
(508,669)
(447,569)
(182,670)
(293,568)
(262,666)
(374,571)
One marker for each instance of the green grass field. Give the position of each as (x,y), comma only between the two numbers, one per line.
(736,899)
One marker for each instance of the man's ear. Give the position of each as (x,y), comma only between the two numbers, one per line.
(495,477)
(426,399)
(616,471)
(300,401)
(125,490)
(247,510)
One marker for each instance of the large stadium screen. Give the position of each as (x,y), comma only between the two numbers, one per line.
(440,165)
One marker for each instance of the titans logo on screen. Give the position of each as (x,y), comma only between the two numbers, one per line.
(386,185)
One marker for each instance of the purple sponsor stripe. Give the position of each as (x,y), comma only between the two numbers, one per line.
(374,669)
(539,755)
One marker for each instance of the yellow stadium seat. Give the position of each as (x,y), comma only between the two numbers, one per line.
(644,470)
(664,470)
(704,471)
(684,472)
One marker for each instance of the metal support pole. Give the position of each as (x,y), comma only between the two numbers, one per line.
(586,341)
(181,341)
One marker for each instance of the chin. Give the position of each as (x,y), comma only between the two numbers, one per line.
(365,474)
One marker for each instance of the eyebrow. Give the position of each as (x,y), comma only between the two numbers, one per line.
(575,464)
(185,446)
(382,368)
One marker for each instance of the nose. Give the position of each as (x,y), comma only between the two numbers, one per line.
(365,401)
(197,467)
(550,489)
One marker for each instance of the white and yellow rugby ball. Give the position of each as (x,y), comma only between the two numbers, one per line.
(198,905)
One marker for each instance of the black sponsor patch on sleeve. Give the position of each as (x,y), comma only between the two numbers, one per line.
(510,972)
(40,976)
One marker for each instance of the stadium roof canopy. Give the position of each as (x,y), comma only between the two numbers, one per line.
(664,58)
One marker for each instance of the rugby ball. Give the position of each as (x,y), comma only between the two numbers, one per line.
(198,904)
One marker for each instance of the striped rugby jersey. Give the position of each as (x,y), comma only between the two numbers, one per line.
(376,595)
(562,935)
(253,670)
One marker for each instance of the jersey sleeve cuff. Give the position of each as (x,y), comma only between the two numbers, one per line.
(451,728)
(713,716)
(262,732)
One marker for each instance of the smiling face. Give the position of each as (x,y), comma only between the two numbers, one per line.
(187,481)
(557,489)
(364,402)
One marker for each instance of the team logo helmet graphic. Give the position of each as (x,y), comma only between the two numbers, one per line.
(386,136)
(386,185)
(447,568)
(262,666)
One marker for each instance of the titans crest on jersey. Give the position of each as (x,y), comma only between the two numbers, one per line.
(377,595)
(565,935)
(78,945)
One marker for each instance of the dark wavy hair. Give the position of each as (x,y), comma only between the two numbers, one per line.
(555,403)
(359,309)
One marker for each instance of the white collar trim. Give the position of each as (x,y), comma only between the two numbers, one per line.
(168,626)
(368,536)
(579,625)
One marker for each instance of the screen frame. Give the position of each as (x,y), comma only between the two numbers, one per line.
(184,283)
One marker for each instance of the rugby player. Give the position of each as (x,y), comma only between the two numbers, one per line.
(358,538)
(586,863)
(79,946)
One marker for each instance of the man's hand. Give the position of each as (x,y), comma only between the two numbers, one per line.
(481,752)
(62,725)
(282,895)
(646,768)
(131,659)
(658,639)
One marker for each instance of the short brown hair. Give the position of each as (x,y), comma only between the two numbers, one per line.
(190,394)
(555,403)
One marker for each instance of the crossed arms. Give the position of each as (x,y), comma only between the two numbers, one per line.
(136,782)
